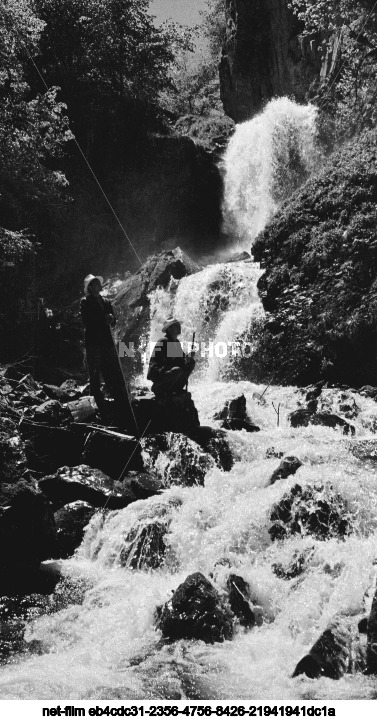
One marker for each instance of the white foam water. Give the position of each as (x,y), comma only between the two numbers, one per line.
(267,158)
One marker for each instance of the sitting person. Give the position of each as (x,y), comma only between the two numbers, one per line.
(169,367)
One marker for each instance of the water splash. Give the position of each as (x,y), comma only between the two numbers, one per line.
(267,158)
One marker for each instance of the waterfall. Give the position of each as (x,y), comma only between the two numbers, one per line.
(267,158)
(220,304)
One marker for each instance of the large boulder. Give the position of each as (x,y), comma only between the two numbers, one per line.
(62,490)
(48,448)
(177,414)
(27,537)
(372,638)
(304,417)
(310,510)
(337,651)
(234,416)
(195,611)
(176,459)
(70,524)
(113,453)
(214,442)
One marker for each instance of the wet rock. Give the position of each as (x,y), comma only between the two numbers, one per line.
(176,459)
(145,485)
(234,416)
(364,450)
(332,655)
(312,510)
(368,392)
(195,611)
(51,413)
(214,442)
(240,600)
(295,568)
(12,455)
(61,491)
(314,392)
(372,638)
(145,546)
(288,467)
(303,417)
(70,524)
(113,453)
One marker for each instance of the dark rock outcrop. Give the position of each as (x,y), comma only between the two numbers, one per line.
(146,546)
(113,453)
(70,524)
(195,611)
(295,568)
(264,57)
(312,510)
(27,537)
(48,448)
(334,653)
(304,417)
(132,302)
(214,442)
(176,459)
(372,638)
(234,416)
(176,414)
(240,600)
(288,467)
(61,492)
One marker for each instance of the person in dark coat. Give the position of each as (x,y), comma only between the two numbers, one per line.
(99,318)
(169,367)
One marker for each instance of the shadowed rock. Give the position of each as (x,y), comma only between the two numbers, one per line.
(288,467)
(214,442)
(234,416)
(313,510)
(195,611)
(70,524)
(240,600)
(304,417)
(334,653)
(372,638)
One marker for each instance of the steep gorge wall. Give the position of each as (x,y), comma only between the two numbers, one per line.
(264,56)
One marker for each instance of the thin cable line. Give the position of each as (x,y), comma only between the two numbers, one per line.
(80,149)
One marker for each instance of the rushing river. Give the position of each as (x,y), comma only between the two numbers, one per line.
(97,633)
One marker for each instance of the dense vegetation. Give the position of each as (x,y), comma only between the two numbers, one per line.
(320,285)
(347,30)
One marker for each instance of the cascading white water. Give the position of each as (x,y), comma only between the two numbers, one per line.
(266,159)
(220,304)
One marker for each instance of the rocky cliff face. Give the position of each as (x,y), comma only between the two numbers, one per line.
(264,56)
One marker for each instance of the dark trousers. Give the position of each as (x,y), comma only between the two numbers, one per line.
(103,360)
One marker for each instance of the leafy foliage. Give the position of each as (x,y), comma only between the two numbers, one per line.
(33,129)
(110,61)
(349,93)
(320,285)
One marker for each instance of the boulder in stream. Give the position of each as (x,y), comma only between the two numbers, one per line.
(303,417)
(70,524)
(311,510)
(195,611)
(214,442)
(372,638)
(176,459)
(337,651)
(288,467)
(234,416)
(240,600)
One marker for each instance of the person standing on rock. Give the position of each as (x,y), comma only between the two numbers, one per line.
(169,367)
(98,317)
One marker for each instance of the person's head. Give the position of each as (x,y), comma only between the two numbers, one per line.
(93,284)
(172,328)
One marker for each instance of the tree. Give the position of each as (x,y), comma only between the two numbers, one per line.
(33,128)
(111,62)
(349,93)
